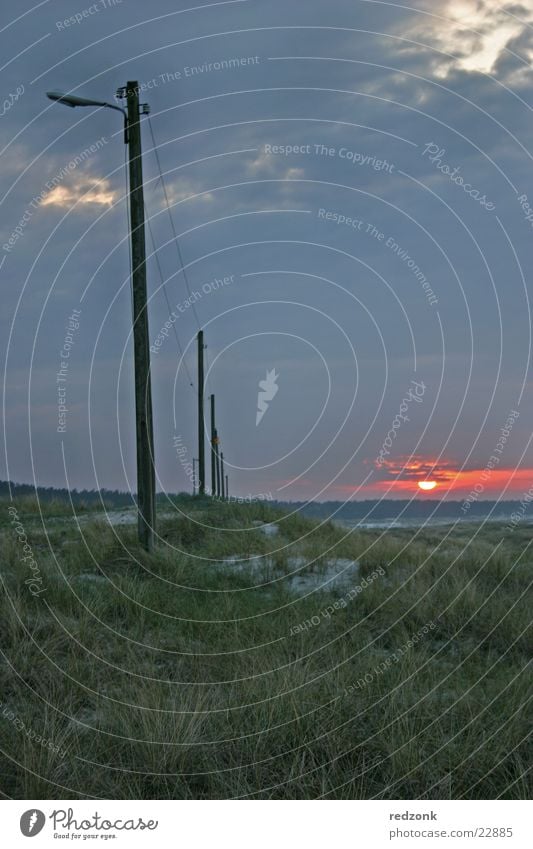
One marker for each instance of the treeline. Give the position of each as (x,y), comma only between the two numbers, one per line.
(82,497)
(369,510)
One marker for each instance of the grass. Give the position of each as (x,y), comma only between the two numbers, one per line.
(175,676)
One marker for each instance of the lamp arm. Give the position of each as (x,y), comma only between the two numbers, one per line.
(125,114)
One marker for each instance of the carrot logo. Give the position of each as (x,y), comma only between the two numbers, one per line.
(32,822)
(267,390)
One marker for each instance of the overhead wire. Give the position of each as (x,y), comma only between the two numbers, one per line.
(164,288)
(154,251)
(176,241)
(175,235)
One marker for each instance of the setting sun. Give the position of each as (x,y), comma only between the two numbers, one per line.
(427,484)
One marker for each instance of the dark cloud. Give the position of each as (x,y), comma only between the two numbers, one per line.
(341,311)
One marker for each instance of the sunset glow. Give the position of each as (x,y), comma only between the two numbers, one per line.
(427,484)
(407,475)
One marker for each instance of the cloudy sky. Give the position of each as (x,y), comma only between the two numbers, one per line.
(357,173)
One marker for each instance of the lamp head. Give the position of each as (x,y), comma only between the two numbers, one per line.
(72,100)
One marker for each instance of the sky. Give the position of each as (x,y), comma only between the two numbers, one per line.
(351,188)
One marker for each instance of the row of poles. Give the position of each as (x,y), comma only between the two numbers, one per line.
(219,480)
(146,492)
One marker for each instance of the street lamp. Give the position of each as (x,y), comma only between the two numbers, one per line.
(72,100)
(141,343)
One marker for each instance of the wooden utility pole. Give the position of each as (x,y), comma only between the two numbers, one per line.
(194,475)
(201,445)
(227,488)
(217,461)
(222,473)
(213,457)
(141,343)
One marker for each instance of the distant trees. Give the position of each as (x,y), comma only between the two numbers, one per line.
(418,508)
(80,498)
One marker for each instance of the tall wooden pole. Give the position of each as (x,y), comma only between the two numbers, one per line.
(141,344)
(222,474)
(213,457)
(201,444)
(217,462)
